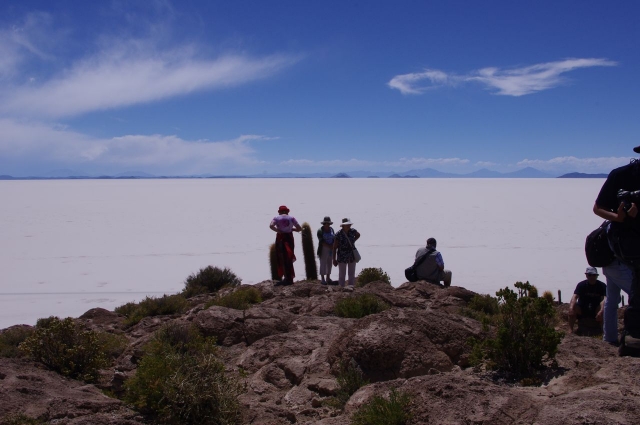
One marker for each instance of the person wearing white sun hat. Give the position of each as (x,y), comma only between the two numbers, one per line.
(343,252)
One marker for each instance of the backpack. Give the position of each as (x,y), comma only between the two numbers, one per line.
(596,247)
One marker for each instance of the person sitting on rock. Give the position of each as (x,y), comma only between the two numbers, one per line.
(588,298)
(432,268)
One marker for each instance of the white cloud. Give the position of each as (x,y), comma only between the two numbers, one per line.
(353,164)
(485,164)
(408,83)
(34,142)
(30,38)
(426,162)
(571,163)
(131,74)
(508,82)
(119,73)
(330,163)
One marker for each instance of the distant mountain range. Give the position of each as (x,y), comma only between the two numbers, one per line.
(583,176)
(528,173)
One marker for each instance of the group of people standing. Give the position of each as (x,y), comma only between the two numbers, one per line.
(334,249)
(339,249)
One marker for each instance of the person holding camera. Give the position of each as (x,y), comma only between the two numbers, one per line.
(616,203)
(432,268)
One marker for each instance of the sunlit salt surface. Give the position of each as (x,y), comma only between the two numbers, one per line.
(71,245)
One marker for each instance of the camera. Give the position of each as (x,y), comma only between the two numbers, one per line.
(629,197)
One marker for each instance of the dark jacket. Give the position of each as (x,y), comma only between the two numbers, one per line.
(319,233)
(429,269)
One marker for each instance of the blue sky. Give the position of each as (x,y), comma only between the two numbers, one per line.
(240,87)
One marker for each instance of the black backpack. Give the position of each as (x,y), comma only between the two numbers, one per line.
(596,247)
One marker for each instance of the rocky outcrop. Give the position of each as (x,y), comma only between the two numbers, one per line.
(401,343)
(27,388)
(291,346)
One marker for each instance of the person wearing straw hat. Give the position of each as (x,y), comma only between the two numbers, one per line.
(284,225)
(343,255)
(326,236)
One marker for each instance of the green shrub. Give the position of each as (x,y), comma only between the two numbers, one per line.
(485,304)
(481,307)
(152,306)
(113,345)
(350,379)
(526,289)
(180,380)
(372,274)
(359,306)
(309,252)
(524,335)
(11,338)
(548,295)
(20,419)
(241,299)
(380,411)
(210,279)
(67,348)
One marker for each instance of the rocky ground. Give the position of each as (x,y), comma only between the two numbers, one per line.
(291,345)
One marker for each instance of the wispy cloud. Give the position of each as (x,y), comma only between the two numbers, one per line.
(508,82)
(353,164)
(330,163)
(130,74)
(116,73)
(426,162)
(572,163)
(29,38)
(415,83)
(35,142)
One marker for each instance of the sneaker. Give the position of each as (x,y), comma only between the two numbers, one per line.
(349,288)
(332,282)
(323,282)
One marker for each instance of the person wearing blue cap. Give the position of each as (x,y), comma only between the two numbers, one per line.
(588,298)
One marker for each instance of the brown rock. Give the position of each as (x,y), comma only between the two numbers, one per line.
(289,348)
(405,343)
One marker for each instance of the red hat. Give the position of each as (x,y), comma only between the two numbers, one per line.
(283,209)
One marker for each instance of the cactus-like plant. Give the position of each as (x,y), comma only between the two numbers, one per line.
(273,262)
(309,252)
(548,295)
